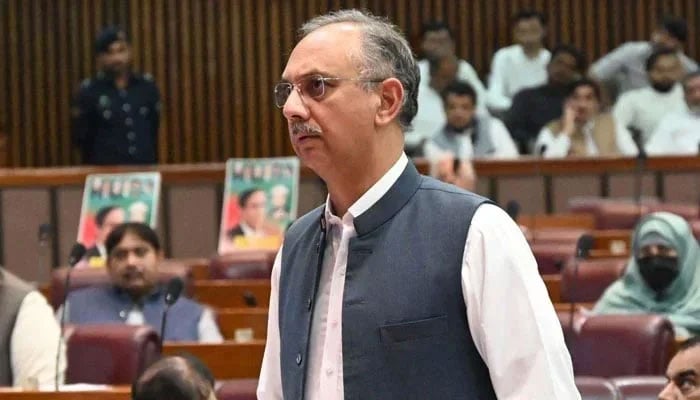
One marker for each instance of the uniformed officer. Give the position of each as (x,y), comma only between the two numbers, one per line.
(116,114)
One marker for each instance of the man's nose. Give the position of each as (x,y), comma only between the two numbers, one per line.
(295,108)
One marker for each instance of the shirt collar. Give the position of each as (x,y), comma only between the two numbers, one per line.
(376,192)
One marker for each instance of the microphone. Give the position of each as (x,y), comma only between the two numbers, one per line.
(249,299)
(44,235)
(583,249)
(76,254)
(513,209)
(172,293)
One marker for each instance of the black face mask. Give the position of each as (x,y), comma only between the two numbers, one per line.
(663,87)
(658,271)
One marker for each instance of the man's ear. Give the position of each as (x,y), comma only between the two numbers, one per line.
(391,95)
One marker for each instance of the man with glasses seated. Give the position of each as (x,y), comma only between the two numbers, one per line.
(394,288)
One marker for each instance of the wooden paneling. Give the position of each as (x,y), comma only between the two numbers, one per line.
(216,61)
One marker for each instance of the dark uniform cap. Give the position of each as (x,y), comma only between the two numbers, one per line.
(107,37)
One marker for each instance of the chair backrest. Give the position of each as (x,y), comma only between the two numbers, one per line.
(551,258)
(590,281)
(113,354)
(249,264)
(622,345)
(237,389)
(611,213)
(685,210)
(86,277)
(639,387)
(594,388)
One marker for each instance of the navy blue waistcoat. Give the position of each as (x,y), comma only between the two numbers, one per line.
(404,326)
(107,304)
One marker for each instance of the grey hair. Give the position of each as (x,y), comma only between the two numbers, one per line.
(385,53)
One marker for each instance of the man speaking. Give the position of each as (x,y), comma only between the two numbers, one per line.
(399,287)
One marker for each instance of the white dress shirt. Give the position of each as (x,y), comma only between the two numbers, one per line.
(644,108)
(677,134)
(558,144)
(512,71)
(535,365)
(502,142)
(34,343)
(430,117)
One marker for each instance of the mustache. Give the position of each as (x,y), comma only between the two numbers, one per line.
(298,128)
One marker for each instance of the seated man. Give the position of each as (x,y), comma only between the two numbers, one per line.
(533,108)
(624,66)
(29,336)
(643,109)
(520,66)
(661,276)
(679,133)
(135,296)
(583,130)
(440,67)
(683,373)
(175,378)
(467,135)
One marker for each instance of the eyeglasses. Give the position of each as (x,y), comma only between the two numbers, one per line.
(313,86)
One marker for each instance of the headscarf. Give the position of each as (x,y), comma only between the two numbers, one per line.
(680,301)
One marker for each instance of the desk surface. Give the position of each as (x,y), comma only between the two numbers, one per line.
(214,172)
(112,393)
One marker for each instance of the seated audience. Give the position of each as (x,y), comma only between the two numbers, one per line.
(520,66)
(683,373)
(29,336)
(440,67)
(533,108)
(583,130)
(135,296)
(642,109)
(467,135)
(175,378)
(679,133)
(625,66)
(662,275)
(106,219)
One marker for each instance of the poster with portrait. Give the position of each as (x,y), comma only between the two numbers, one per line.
(112,199)
(260,201)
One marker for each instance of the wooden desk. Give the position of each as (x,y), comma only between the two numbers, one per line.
(228,360)
(553,284)
(233,293)
(113,393)
(541,221)
(251,321)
